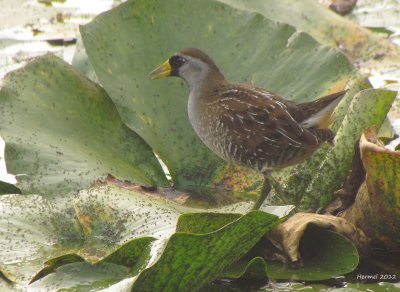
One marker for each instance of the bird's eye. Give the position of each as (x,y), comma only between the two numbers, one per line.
(176,61)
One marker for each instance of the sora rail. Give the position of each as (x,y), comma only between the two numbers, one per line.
(246,124)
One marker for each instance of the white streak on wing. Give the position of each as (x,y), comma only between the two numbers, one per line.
(265,94)
(235,151)
(253,117)
(297,145)
(229,91)
(212,102)
(230,117)
(225,106)
(219,124)
(280,104)
(240,117)
(269,139)
(283,133)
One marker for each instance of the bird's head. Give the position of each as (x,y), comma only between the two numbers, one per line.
(191,64)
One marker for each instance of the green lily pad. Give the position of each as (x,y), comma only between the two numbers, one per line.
(205,222)
(54,263)
(327,27)
(324,254)
(32,230)
(105,224)
(379,18)
(192,260)
(126,43)
(81,276)
(255,269)
(201,223)
(64,133)
(133,255)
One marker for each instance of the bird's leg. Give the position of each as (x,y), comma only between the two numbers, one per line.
(265,190)
(269,182)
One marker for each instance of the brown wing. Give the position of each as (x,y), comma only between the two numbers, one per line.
(265,116)
(262,124)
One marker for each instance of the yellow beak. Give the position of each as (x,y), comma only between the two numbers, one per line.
(160,72)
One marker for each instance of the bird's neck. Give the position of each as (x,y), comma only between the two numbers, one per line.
(204,80)
(200,96)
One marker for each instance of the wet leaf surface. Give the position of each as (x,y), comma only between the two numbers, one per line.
(64,133)
(192,260)
(358,43)
(201,223)
(255,270)
(105,224)
(23,248)
(81,276)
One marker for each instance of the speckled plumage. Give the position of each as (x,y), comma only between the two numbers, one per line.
(248,125)
(255,127)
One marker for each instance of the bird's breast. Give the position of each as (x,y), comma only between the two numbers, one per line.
(205,120)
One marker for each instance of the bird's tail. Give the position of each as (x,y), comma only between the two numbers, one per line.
(319,111)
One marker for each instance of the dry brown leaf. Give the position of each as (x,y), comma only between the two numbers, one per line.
(287,235)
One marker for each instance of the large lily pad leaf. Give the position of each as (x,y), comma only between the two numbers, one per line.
(105,224)
(255,269)
(32,230)
(81,276)
(200,223)
(358,43)
(133,255)
(193,260)
(270,54)
(64,133)
(381,19)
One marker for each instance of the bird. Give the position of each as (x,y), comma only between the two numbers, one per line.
(248,125)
